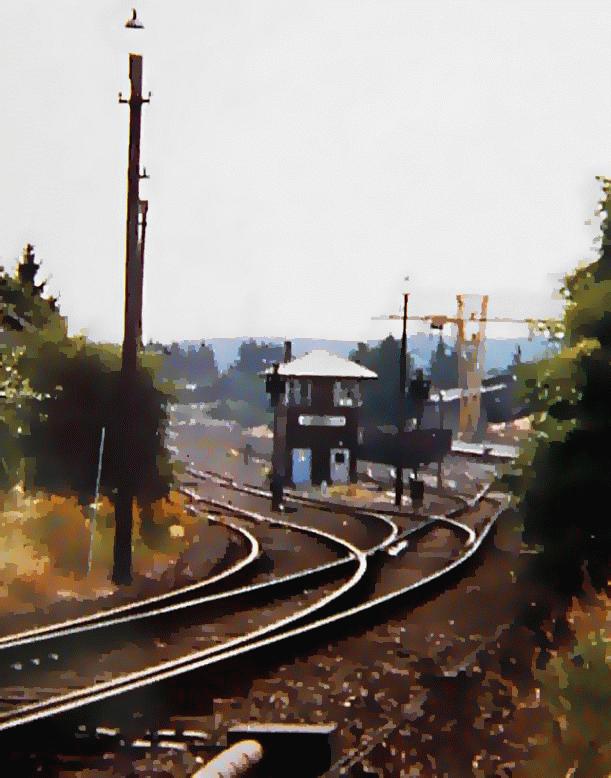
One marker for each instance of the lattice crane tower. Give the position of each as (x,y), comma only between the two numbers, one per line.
(470,353)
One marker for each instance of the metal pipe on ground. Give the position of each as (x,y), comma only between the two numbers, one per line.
(299,750)
(237,760)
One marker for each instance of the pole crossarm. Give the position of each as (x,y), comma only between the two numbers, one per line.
(470,353)
(437,320)
(135,99)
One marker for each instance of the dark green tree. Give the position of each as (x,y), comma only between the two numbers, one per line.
(202,364)
(58,394)
(561,479)
(78,384)
(24,308)
(444,366)
(240,392)
(380,397)
(254,357)
(185,365)
(25,314)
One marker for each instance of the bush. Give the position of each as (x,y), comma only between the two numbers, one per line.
(561,476)
(575,690)
(79,383)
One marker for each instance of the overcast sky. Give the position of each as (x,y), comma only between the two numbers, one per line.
(305,157)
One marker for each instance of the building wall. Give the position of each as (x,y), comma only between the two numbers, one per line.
(319,438)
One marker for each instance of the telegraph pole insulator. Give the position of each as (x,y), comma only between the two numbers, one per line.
(134,256)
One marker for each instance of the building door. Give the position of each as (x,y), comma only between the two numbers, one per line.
(302,465)
(340,465)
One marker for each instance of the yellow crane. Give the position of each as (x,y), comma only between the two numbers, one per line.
(470,349)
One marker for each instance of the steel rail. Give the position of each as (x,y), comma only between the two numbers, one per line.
(7,641)
(326,505)
(396,534)
(63,702)
(388,486)
(109,618)
(243,645)
(246,589)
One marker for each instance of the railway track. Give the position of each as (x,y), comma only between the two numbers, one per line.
(147,607)
(292,496)
(109,615)
(300,622)
(388,486)
(55,703)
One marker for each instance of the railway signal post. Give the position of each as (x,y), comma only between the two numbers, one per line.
(134,248)
(275,387)
(419,391)
(401,408)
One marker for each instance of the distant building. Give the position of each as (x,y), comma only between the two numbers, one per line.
(316,429)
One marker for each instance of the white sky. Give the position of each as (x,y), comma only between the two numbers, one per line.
(305,157)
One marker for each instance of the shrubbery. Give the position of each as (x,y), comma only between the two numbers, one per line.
(57,394)
(575,690)
(561,477)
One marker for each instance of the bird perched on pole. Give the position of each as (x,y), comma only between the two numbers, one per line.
(134,23)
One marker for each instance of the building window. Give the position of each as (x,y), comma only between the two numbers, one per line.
(346,394)
(298,392)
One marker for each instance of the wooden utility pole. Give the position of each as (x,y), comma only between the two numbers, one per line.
(401,409)
(122,569)
(440,461)
(144,207)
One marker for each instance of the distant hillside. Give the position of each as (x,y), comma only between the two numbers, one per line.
(226,349)
(498,354)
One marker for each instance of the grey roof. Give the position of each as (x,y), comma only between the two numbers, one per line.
(451,395)
(496,450)
(322,364)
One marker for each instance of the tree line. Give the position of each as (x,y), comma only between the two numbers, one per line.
(58,392)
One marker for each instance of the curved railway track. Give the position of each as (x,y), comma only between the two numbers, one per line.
(142,609)
(291,496)
(388,486)
(297,623)
(146,607)
(71,699)
(99,618)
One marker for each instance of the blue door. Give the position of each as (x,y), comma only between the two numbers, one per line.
(302,465)
(340,465)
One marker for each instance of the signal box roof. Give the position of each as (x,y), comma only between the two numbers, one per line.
(322,364)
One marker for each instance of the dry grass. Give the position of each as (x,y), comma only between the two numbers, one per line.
(44,543)
(349,492)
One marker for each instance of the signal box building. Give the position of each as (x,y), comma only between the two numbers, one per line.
(316,426)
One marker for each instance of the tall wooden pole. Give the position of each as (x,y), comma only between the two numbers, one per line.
(440,461)
(401,409)
(144,205)
(122,569)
